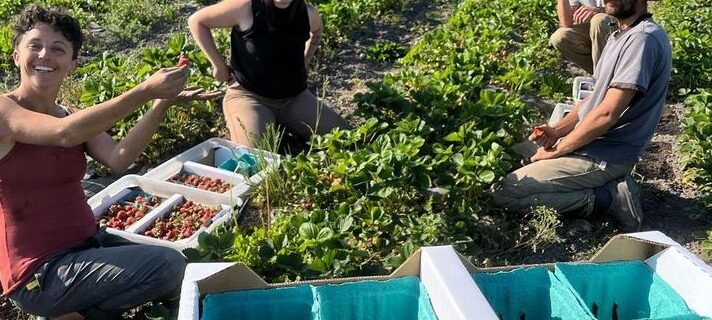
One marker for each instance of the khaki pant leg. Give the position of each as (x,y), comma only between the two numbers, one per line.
(306,114)
(246,115)
(565,184)
(575,45)
(602,25)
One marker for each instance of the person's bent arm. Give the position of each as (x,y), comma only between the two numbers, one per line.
(226,14)
(594,124)
(120,155)
(317,26)
(18,124)
(565,13)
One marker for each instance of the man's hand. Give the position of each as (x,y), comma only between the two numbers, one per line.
(584,14)
(544,153)
(545,136)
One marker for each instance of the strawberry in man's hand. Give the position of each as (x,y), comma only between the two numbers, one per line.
(183,61)
(538,132)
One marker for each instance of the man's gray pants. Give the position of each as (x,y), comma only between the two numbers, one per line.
(101,278)
(565,184)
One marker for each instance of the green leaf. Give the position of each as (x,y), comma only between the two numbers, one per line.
(208,241)
(325,234)
(385,192)
(458,159)
(487,176)
(192,254)
(318,265)
(308,230)
(346,223)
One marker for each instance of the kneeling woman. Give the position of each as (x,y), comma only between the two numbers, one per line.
(271,44)
(54,261)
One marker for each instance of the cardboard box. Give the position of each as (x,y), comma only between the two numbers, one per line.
(689,276)
(173,194)
(204,159)
(453,294)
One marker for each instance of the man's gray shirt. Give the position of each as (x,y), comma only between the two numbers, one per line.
(639,58)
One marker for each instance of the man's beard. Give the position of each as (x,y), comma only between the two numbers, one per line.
(622,11)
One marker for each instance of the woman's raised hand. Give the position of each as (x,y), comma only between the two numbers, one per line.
(166,83)
(191,94)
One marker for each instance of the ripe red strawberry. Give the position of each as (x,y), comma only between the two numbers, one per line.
(538,132)
(183,61)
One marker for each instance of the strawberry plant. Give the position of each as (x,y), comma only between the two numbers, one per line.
(202,182)
(182,222)
(689,27)
(696,147)
(122,215)
(387,51)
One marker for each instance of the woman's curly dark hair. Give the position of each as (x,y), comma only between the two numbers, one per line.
(59,21)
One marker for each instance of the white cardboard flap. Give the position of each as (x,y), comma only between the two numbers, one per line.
(453,293)
(654,236)
(688,275)
(189,294)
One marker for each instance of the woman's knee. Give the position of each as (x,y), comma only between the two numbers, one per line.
(173,264)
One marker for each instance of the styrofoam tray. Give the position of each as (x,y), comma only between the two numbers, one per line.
(174,194)
(209,154)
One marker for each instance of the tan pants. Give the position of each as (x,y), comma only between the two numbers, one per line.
(248,114)
(565,184)
(583,43)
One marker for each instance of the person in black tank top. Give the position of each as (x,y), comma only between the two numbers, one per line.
(272,42)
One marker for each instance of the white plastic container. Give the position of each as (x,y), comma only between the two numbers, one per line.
(174,194)
(560,111)
(583,87)
(207,156)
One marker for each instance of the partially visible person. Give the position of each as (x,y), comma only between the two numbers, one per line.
(583,163)
(54,260)
(583,32)
(272,43)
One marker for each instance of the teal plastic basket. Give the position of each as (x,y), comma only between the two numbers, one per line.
(623,290)
(399,299)
(295,303)
(530,293)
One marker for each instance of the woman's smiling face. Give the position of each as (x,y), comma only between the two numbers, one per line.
(44,56)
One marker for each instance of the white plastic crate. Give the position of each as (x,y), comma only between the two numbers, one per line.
(583,87)
(560,111)
(205,158)
(173,194)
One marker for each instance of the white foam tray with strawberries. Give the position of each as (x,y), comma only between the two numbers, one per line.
(173,195)
(204,159)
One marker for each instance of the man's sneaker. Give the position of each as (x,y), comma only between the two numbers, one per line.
(626,204)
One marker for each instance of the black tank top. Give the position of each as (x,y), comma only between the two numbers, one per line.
(268,59)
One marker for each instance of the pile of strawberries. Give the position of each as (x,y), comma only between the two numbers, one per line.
(182,222)
(202,182)
(120,216)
